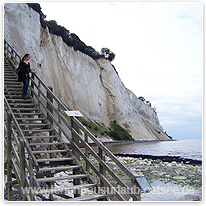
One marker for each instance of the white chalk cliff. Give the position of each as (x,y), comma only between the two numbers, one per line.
(90,86)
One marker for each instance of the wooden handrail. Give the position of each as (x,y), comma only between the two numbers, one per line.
(132,175)
(21,134)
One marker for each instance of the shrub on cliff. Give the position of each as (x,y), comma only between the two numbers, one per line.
(141,98)
(107,53)
(119,133)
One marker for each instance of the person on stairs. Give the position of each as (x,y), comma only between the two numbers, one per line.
(24,66)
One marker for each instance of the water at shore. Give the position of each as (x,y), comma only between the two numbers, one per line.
(168,179)
(189,149)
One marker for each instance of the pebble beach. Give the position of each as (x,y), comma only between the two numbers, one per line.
(185,178)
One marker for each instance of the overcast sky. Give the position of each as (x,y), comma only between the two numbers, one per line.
(159,52)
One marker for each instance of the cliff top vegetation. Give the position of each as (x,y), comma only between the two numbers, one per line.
(71,39)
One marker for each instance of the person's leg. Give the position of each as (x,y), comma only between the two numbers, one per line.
(25,88)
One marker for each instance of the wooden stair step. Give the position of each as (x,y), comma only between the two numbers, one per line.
(87,198)
(30,119)
(34,125)
(19,100)
(9,74)
(12,89)
(45,144)
(33,113)
(11,86)
(47,161)
(38,130)
(69,177)
(48,151)
(13,95)
(39,137)
(25,109)
(10,79)
(12,92)
(22,104)
(58,169)
(10,83)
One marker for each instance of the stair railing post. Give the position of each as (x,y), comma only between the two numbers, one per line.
(101,168)
(39,88)
(86,152)
(32,84)
(49,107)
(9,163)
(22,168)
(74,139)
(77,192)
(59,118)
(31,176)
(50,118)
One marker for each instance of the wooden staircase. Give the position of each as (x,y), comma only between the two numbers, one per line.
(37,133)
(51,153)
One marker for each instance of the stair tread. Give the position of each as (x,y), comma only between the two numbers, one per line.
(34,113)
(41,137)
(45,144)
(69,177)
(34,125)
(55,159)
(49,151)
(22,104)
(87,198)
(31,119)
(20,100)
(38,130)
(25,109)
(59,168)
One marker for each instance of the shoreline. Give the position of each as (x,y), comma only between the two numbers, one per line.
(162,158)
(119,142)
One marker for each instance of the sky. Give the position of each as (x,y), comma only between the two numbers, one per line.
(159,52)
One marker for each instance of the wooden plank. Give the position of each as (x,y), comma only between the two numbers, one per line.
(9,164)
(48,151)
(28,114)
(45,144)
(24,109)
(22,167)
(55,160)
(37,131)
(69,177)
(39,137)
(34,125)
(57,169)
(31,177)
(31,119)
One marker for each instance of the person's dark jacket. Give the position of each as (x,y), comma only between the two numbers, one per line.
(26,70)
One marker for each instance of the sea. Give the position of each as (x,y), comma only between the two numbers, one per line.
(187,148)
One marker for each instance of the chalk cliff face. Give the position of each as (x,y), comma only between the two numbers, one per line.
(91,86)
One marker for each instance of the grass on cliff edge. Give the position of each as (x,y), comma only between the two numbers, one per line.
(116,132)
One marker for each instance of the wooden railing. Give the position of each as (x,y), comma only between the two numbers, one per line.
(72,131)
(19,156)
